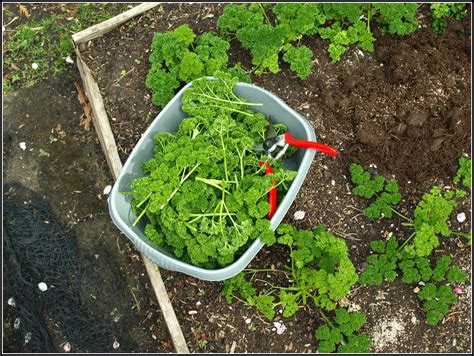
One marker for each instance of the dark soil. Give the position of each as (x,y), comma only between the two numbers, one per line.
(63,163)
(404,108)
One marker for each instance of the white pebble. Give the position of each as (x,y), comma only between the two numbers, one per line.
(248,321)
(299,215)
(42,286)
(333,182)
(69,59)
(67,347)
(198,303)
(461,217)
(416,290)
(414,320)
(192,312)
(35,66)
(107,189)
(23,145)
(28,337)
(116,344)
(16,323)
(11,301)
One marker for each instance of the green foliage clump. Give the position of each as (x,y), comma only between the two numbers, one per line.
(390,258)
(368,186)
(300,60)
(464,173)
(180,56)
(397,19)
(436,302)
(381,265)
(203,194)
(431,215)
(266,41)
(342,334)
(441,12)
(320,270)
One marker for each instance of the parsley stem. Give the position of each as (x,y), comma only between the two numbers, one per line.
(264,13)
(141,215)
(464,234)
(407,224)
(230,101)
(212,214)
(369,15)
(406,241)
(400,214)
(326,319)
(231,109)
(253,270)
(144,200)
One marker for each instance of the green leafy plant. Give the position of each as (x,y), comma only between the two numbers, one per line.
(320,270)
(389,258)
(300,60)
(463,175)
(382,264)
(397,18)
(343,333)
(266,41)
(203,194)
(180,56)
(441,12)
(436,302)
(368,186)
(430,216)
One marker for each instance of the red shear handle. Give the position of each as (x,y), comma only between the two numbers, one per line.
(310,144)
(272,196)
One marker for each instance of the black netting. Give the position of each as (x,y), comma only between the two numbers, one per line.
(38,247)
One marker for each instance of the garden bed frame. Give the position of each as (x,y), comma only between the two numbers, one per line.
(109,147)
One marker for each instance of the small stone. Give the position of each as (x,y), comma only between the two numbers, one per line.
(69,60)
(34,65)
(107,189)
(67,347)
(28,336)
(461,217)
(192,312)
(116,344)
(417,118)
(416,290)
(42,286)
(198,303)
(16,323)
(333,182)
(23,145)
(299,215)
(414,320)
(421,283)
(11,301)
(248,321)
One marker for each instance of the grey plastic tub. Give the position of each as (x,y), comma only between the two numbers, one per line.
(168,120)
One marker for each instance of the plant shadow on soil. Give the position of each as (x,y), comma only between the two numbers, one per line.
(404,108)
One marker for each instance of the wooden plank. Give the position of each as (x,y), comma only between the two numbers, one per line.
(166,307)
(108,25)
(107,140)
(99,117)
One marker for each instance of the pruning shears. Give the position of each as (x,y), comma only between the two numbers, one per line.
(275,146)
